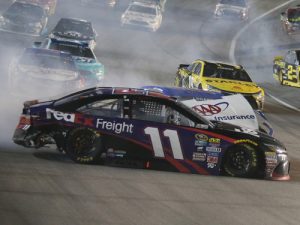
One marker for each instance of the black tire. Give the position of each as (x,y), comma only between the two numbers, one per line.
(84,146)
(200,86)
(280,77)
(241,161)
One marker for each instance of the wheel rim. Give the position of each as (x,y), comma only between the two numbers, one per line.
(240,160)
(83,144)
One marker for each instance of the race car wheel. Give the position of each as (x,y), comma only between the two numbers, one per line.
(241,161)
(84,145)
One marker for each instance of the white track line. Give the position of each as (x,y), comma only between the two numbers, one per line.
(238,34)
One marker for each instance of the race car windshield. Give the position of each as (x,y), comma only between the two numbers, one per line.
(293,15)
(229,72)
(48,61)
(24,12)
(240,3)
(142,9)
(74,29)
(75,50)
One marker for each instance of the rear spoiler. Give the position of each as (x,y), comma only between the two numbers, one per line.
(183,66)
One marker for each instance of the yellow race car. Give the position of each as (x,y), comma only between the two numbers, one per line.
(286,69)
(220,77)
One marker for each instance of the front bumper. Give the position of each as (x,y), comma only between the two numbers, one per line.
(140,23)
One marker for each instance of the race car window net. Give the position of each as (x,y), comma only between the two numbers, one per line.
(225,72)
(157,112)
(106,107)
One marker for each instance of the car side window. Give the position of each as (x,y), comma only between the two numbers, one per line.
(190,67)
(152,110)
(197,69)
(289,58)
(111,107)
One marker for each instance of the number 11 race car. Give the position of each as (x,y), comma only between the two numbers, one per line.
(148,129)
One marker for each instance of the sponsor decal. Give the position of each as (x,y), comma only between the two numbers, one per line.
(245,141)
(211,165)
(212,159)
(114,126)
(235,117)
(200,149)
(271,157)
(201,140)
(214,140)
(200,143)
(247,131)
(209,110)
(199,156)
(68,117)
(213,149)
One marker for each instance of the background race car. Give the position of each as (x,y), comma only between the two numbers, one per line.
(24,18)
(75,29)
(286,69)
(91,70)
(232,8)
(148,129)
(290,20)
(43,73)
(220,77)
(48,5)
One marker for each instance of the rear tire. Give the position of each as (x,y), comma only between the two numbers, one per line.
(84,145)
(241,161)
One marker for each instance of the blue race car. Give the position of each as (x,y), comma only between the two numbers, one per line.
(148,129)
(85,59)
(44,73)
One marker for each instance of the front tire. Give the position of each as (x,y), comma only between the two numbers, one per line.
(84,145)
(241,161)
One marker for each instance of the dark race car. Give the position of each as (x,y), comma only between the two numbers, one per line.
(75,29)
(147,129)
(290,20)
(24,18)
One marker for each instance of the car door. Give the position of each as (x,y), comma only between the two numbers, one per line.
(170,135)
(291,66)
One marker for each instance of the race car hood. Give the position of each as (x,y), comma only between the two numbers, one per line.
(233,85)
(140,16)
(232,109)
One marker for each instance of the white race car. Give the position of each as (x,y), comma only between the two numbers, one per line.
(232,8)
(142,14)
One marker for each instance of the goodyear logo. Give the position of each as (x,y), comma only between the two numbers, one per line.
(201,137)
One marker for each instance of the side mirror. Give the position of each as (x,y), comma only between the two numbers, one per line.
(37,44)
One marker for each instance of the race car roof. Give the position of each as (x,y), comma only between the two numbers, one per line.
(184,92)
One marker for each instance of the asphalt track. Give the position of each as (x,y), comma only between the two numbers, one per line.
(44,187)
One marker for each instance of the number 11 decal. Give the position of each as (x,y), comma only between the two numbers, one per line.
(153,132)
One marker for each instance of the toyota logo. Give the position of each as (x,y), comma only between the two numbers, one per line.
(209,110)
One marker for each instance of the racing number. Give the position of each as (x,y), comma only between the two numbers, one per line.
(153,132)
(292,73)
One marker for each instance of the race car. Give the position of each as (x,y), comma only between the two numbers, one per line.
(146,129)
(290,20)
(232,8)
(48,5)
(75,29)
(109,3)
(85,60)
(221,77)
(24,19)
(286,69)
(143,14)
(44,73)
(215,106)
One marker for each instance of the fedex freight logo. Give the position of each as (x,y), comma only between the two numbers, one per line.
(114,126)
(68,117)
(209,110)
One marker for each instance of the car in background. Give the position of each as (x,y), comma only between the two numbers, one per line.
(290,20)
(220,77)
(75,30)
(286,68)
(43,73)
(85,60)
(232,8)
(145,129)
(24,19)
(109,3)
(142,14)
(215,106)
(48,5)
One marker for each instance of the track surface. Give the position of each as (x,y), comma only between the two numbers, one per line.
(44,187)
